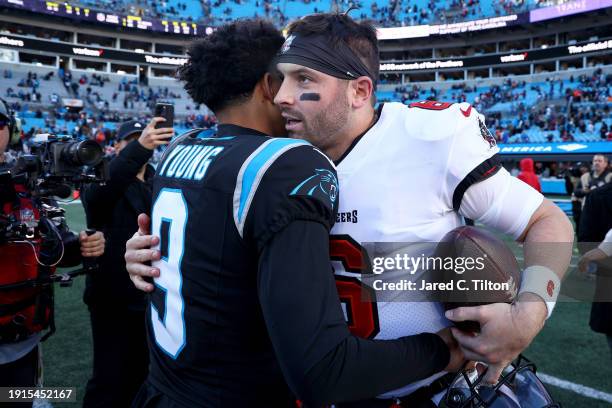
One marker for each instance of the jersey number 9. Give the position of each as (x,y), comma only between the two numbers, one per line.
(169,218)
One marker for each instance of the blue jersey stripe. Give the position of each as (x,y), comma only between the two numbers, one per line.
(252,171)
(261,160)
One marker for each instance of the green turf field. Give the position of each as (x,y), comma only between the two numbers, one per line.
(565,349)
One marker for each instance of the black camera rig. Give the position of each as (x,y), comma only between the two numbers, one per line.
(54,167)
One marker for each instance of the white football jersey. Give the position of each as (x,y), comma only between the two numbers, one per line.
(403,181)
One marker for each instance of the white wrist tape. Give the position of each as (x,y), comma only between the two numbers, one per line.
(543,282)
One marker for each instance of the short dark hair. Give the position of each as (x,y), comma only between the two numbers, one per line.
(342,30)
(601,155)
(224,67)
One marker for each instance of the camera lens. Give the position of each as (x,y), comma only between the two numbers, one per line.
(84,153)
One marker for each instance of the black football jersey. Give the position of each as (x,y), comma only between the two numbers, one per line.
(219,196)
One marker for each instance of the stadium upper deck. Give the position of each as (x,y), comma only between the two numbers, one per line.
(386,13)
(467,61)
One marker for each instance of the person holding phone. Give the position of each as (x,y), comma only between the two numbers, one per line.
(164,110)
(116,307)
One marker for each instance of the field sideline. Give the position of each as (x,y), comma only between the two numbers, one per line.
(566,350)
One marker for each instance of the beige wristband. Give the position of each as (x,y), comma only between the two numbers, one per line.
(543,282)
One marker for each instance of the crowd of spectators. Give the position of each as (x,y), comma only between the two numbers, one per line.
(26,88)
(101,126)
(551,119)
(586,102)
(560,109)
(142,8)
(591,88)
(86,87)
(390,13)
(97,119)
(134,93)
(384,13)
(564,107)
(25,94)
(584,105)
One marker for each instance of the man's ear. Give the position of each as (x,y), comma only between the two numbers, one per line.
(362,91)
(269,86)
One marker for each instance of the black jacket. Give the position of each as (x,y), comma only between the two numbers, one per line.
(113,209)
(592,182)
(595,222)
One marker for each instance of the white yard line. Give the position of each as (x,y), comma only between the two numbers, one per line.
(521,259)
(575,388)
(77,201)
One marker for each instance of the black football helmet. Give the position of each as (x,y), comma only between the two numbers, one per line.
(518,387)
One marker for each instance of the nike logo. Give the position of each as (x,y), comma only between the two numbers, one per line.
(466,112)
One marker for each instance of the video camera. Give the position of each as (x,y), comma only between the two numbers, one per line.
(54,167)
(34,236)
(57,164)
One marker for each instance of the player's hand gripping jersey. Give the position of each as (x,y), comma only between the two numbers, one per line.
(405,181)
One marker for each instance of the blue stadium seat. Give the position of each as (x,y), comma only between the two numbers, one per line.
(402,13)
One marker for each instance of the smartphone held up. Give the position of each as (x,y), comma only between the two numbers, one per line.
(166,111)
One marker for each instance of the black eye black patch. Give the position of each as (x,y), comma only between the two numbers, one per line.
(310,97)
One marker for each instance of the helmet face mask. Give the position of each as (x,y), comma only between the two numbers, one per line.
(518,387)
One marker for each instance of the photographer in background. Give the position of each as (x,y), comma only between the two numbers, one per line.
(116,307)
(27,311)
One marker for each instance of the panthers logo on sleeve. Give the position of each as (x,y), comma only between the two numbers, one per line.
(323,185)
